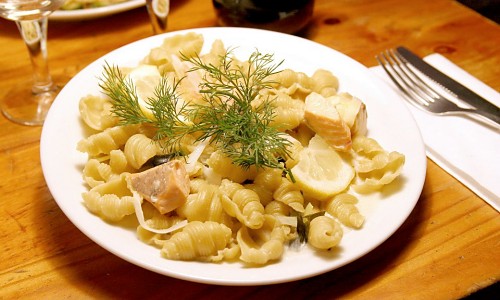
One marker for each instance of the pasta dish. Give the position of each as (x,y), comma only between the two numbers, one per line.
(220,158)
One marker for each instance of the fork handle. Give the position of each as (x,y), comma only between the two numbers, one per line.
(491,116)
(487,116)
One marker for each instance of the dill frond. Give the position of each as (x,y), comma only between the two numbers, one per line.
(168,110)
(166,107)
(243,132)
(123,96)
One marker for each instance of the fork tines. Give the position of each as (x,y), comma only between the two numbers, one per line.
(422,95)
(406,79)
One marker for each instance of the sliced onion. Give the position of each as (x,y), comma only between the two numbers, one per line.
(287,220)
(140,216)
(195,155)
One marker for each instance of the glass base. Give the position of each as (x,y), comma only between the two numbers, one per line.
(21,105)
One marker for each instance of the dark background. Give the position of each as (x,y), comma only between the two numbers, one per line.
(488,8)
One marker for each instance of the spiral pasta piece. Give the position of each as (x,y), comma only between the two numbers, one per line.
(277,208)
(117,186)
(196,185)
(265,183)
(96,173)
(223,165)
(287,78)
(264,194)
(110,139)
(204,204)
(269,178)
(228,187)
(303,134)
(324,233)
(189,44)
(96,112)
(289,112)
(343,207)
(197,240)
(242,203)
(118,162)
(261,245)
(295,84)
(289,194)
(217,51)
(111,200)
(325,83)
(366,147)
(109,207)
(374,166)
(139,149)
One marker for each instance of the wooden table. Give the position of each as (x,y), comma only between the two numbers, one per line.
(448,248)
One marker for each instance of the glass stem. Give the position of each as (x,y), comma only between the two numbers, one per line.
(34,34)
(158,11)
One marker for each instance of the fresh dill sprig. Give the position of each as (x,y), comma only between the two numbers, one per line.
(166,107)
(243,131)
(168,110)
(236,124)
(123,96)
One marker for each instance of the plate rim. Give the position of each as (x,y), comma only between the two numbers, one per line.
(94,13)
(185,276)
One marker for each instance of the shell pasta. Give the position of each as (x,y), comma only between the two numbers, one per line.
(192,199)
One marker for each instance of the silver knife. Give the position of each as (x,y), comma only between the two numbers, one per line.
(462,92)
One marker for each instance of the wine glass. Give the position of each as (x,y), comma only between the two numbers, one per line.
(158,11)
(23,105)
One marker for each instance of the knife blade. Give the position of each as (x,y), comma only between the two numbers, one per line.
(462,92)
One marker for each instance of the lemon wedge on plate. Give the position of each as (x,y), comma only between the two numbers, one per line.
(145,78)
(321,172)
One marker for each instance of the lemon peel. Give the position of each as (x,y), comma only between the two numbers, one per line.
(321,172)
(145,78)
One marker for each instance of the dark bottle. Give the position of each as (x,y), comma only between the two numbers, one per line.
(288,16)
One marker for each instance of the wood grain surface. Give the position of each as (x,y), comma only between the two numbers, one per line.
(447,249)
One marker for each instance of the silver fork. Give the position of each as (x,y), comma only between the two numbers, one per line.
(420,94)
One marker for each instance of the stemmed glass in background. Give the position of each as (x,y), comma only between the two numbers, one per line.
(30,106)
(23,105)
(158,12)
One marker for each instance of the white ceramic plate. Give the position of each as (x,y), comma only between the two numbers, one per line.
(93,13)
(389,122)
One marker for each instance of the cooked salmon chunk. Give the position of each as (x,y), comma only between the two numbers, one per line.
(324,119)
(336,118)
(352,111)
(166,186)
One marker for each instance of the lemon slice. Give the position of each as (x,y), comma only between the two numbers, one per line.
(161,8)
(321,171)
(145,78)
